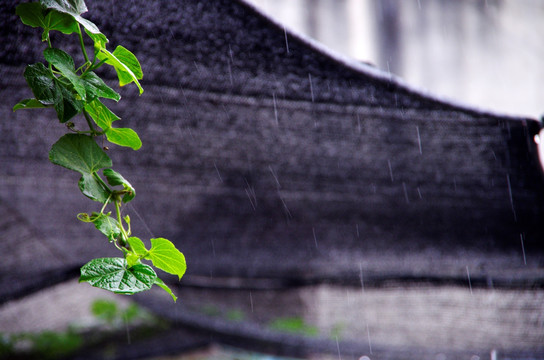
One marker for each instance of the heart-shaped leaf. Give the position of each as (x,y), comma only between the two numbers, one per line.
(33,14)
(79,153)
(114,275)
(82,154)
(166,257)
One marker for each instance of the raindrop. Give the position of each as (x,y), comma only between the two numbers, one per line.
(511,197)
(231,54)
(358,123)
(338,347)
(311,86)
(369,342)
(419,193)
(315,237)
(274,175)
(469,283)
(217,170)
(361,277)
(125,320)
(275,109)
(523,249)
(250,192)
(405,192)
(251,301)
(419,140)
(286,41)
(213,247)
(357,229)
(230,73)
(287,212)
(390,170)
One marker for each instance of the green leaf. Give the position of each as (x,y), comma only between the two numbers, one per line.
(104,117)
(28,104)
(126,72)
(82,154)
(95,88)
(66,105)
(124,137)
(107,226)
(79,153)
(64,23)
(65,64)
(115,179)
(100,40)
(114,275)
(129,59)
(161,284)
(101,115)
(166,257)
(74,8)
(137,246)
(42,83)
(31,14)
(93,188)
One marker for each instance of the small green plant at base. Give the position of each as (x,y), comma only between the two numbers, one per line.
(293,325)
(111,314)
(235,315)
(72,90)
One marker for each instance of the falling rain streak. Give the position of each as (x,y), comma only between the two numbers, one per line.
(523,249)
(217,170)
(419,140)
(469,283)
(286,40)
(315,237)
(511,197)
(311,86)
(390,170)
(275,109)
(405,192)
(275,177)
(250,192)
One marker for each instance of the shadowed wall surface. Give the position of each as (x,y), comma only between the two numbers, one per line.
(265,156)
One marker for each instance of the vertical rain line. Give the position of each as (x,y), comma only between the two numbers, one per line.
(390,170)
(275,108)
(523,249)
(511,197)
(286,41)
(469,283)
(315,237)
(311,87)
(419,140)
(338,348)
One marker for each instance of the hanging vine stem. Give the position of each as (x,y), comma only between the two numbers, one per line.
(72,91)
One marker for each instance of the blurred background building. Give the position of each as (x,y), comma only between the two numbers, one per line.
(485,53)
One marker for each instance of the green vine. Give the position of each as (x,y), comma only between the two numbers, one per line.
(71,91)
